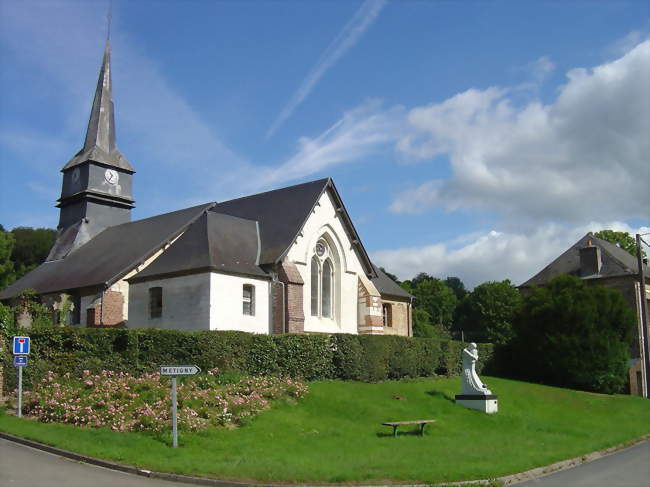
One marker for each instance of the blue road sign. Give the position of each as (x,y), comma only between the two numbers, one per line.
(21,345)
(20,360)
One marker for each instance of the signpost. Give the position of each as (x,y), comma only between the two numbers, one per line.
(21,351)
(174,371)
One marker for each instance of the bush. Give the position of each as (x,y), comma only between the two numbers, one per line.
(371,358)
(573,335)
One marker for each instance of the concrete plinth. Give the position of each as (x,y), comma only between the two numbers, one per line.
(488,403)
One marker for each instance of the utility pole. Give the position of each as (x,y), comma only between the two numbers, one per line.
(644,317)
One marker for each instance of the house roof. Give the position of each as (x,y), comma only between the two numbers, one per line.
(107,257)
(236,236)
(615,262)
(214,242)
(387,287)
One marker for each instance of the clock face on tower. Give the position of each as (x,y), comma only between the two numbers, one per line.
(111,176)
(75,177)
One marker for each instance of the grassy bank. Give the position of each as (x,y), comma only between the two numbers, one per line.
(335,435)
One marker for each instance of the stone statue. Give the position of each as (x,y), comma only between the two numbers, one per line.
(471,382)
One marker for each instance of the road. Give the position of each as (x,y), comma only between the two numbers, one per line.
(627,468)
(22,466)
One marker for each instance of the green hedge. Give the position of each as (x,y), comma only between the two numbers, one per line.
(312,357)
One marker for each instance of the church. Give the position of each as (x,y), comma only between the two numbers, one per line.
(283,261)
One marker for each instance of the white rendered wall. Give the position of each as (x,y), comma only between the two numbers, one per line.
(324,222)
(186,303)
(226,304)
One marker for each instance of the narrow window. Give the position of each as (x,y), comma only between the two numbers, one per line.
(315,280)
(326,304)
(249,299)
(388,315)
(155,302)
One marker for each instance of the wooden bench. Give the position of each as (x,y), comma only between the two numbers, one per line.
(421,422)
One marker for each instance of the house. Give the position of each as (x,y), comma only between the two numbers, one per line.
(283,261)
(602,263)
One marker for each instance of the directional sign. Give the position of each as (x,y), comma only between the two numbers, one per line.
(20,360)
(179,370)
(21,345)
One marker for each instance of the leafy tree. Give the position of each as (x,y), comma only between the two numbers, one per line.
(457,286)
(31,248)
(7,275)
(573,335)
(392,276)
(433,296)
(487,313)
(623,239)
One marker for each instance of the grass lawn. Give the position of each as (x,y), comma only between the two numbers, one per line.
(335,435)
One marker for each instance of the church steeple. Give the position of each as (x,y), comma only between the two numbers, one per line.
(99,145)
(96,191)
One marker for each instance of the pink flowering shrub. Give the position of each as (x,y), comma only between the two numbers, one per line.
(123,402)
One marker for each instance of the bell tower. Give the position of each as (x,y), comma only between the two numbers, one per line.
(97,181)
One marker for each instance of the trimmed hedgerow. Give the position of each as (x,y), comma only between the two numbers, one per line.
(368,358)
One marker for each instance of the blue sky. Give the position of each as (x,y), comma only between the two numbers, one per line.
(475,139)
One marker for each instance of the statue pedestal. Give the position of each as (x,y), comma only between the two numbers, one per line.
(488,403)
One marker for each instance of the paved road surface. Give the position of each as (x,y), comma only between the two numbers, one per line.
(22,466)
(627,468)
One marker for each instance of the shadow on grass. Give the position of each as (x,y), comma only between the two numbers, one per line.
(442,395)
(400,433)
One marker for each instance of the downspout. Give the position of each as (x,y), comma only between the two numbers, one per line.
(101,308)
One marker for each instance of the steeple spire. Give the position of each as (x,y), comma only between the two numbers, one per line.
(99,145)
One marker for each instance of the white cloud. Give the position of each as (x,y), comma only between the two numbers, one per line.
(358,134)
(492,255)
(342,43)
(63,43)
(541,68)
(582,157)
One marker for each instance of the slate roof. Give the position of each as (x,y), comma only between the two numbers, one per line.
(280,213)
(99,145)
(238,236)
(615,262)
(214,242)
(387,287)
(107,257)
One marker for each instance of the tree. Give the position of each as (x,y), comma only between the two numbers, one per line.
(623,239)
(487,313)
(433,296)
(32,245)
(457,286)
(7,275)
(573,335)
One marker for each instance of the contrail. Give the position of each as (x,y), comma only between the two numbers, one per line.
(344,41)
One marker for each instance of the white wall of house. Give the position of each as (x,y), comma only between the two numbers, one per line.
(226,304)
(186,303)
(325,223)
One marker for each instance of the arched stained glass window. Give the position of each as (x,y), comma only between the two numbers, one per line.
(315,285)
(323,281)
(326,296)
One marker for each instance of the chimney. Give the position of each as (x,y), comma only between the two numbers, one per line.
(590,261)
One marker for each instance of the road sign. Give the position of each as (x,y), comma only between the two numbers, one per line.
(179,370)
(21,345)
(20,360)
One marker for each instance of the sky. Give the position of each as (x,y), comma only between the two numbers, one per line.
(471,139)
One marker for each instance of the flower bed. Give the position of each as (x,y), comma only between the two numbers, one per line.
(123,402)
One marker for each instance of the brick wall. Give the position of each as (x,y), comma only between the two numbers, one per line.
(400,314)
(108,311)
(294,307)
(371,318)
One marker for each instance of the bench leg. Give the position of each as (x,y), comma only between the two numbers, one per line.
(394,431)
(422,429)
